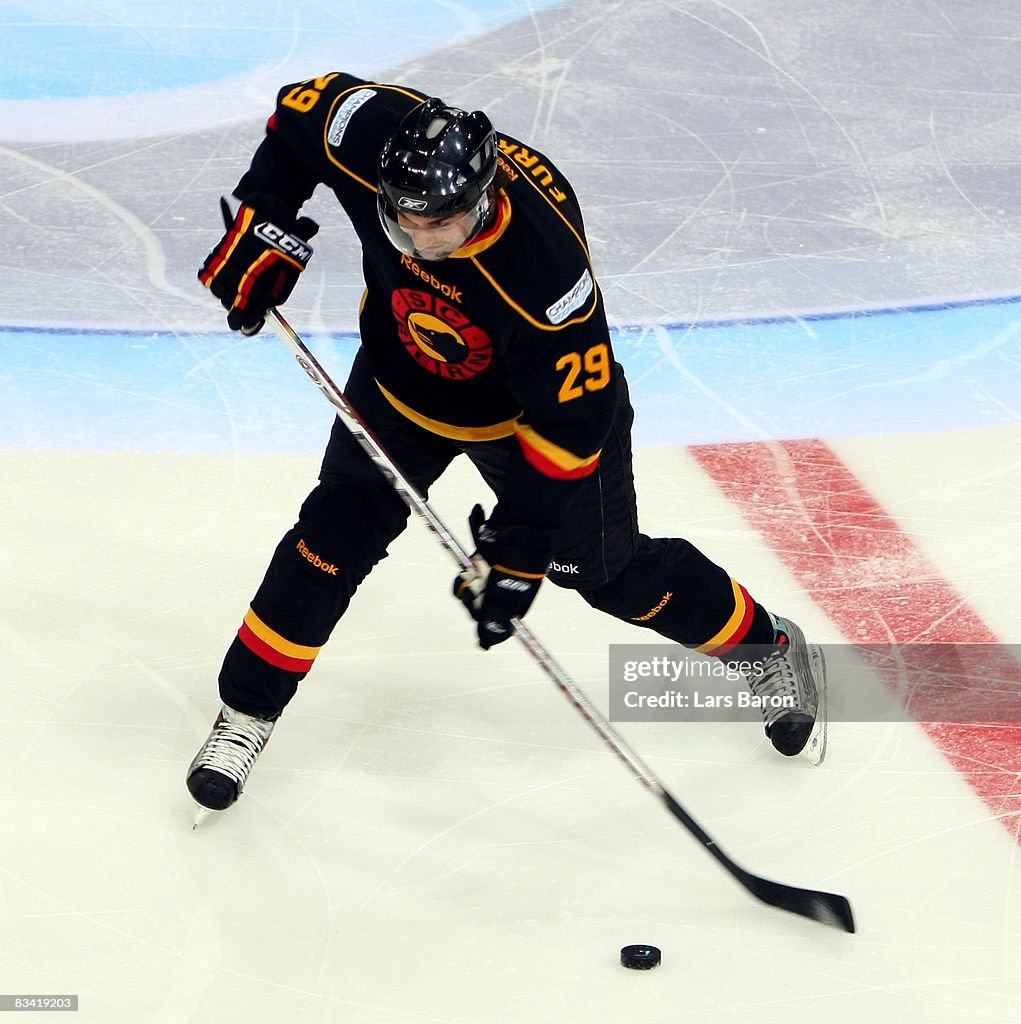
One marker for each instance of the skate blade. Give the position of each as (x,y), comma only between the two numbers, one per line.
(815,748)
(200,816)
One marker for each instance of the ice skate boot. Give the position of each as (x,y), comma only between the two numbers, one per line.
(217,774)
(790,684)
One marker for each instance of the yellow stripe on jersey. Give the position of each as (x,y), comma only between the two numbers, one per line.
(550,458)
(487,433)
(508,154)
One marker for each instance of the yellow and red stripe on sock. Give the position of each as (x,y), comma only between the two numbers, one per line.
(736,627)
(273,648)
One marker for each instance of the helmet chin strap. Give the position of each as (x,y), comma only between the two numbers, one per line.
(485,212)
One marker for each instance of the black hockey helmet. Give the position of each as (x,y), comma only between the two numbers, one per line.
(440,162)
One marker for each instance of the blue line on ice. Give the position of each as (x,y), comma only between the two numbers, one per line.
(862,374)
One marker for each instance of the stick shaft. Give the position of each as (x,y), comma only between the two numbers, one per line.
(424,511)
(819,906)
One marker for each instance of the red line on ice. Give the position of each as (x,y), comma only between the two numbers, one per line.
(870,578)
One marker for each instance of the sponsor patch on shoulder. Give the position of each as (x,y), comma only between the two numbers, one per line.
(563,308)
(345,112)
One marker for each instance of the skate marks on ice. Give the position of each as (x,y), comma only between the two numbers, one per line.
(420,800)
(738,159)
(426,798)
(878,587)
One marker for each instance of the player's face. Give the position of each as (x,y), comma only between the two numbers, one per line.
(436,238)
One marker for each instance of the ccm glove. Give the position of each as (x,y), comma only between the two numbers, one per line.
(507,568)
(257,262)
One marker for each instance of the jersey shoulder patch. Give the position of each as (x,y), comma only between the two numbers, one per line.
(344,112)
(573,300)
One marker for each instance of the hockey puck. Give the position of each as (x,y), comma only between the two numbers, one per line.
(640,958)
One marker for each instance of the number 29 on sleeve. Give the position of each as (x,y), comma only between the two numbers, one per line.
(305,96)
(584,371)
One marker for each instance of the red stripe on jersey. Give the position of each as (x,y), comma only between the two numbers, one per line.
(540,461)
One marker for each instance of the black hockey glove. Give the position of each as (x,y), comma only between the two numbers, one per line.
(257,262)
(507,568)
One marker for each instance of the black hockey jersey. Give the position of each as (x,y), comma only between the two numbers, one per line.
(506,337)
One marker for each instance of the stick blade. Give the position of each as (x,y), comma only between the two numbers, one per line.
(824,907)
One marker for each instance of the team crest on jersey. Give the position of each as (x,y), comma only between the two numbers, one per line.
(438,336)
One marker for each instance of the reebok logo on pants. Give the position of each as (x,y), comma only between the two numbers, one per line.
(314,559)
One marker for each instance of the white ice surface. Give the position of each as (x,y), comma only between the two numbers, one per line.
(434,835)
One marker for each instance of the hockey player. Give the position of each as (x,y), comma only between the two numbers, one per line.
(483,334)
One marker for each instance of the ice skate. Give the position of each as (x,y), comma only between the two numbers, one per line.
(790,683)
(217,774)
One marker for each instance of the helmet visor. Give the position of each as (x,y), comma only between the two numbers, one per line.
(431,238)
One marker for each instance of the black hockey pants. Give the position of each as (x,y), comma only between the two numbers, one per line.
(348,521)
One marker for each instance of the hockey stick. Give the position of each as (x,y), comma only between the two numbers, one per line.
(827,908)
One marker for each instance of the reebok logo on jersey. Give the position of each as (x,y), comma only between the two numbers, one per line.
(291,245)
(448,291)
(345,112)
(312,558)
(567,569)
(563,308)
(664,601)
